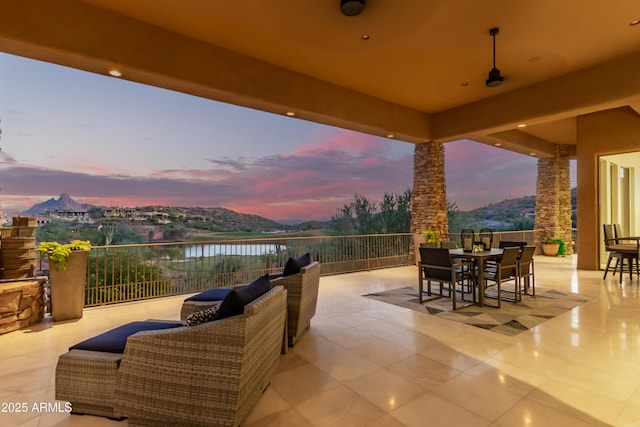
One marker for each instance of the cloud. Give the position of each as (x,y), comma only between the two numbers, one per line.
(311,182)
(478,174)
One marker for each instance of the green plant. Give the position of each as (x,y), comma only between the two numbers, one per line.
(432,235)
(562,250)
(59,253)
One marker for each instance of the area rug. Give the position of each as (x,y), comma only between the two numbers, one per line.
(510,319)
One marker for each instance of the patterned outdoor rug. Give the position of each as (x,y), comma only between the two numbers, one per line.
(510,319)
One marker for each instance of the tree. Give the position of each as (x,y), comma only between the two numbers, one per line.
(55,231)
(392,215)
(395,212)
(108,229)
(457,218)
(126,236)
(366,220)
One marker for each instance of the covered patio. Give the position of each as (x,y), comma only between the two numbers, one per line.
(366,362)
(415,72)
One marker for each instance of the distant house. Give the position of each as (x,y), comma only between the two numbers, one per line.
(114,212)
(530,213)
(79,216)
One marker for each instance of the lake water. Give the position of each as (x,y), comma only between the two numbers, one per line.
(208,250)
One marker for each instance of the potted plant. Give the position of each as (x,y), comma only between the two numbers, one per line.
(554,246)
(432,236)
(67,275)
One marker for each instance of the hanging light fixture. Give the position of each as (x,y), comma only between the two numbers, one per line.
(351,7)
(495,79)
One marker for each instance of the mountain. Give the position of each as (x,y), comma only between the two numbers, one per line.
(64,203)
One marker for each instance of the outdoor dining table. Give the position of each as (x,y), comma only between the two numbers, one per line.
(480,258)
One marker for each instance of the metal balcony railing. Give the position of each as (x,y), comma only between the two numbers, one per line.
(125,273)
(135,272)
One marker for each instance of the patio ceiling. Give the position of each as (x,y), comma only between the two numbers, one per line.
(420,76)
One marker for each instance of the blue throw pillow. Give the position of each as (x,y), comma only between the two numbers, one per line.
(293,266)
(233,304)
(215,294)
(115,340)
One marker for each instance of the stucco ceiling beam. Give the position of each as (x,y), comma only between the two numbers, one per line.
(601,87)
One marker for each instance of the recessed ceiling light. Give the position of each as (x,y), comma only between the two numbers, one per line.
(522,125)
(390,135)
(498,144)
(290,113)
(532,154)
(635,22)
(115,73)
(366,37)
(464,84)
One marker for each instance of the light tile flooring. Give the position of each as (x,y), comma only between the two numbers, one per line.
(367,363)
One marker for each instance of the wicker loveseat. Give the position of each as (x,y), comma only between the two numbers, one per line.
(211,374)
(302,298)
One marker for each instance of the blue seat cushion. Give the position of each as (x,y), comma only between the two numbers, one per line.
(293,265)
(215,294)
(233,304)
(114,341)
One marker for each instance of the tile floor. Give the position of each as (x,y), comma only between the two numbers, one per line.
(367,363)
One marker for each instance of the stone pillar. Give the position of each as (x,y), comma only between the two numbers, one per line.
(553,200)
(429,199)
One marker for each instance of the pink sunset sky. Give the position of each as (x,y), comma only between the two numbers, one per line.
(111,142)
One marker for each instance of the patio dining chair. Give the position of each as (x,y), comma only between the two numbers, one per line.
(436,266)
(631,256)
(526,271)
(610,239)
(502,271)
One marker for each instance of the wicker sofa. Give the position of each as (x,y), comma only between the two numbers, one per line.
(302,298)
(211,374)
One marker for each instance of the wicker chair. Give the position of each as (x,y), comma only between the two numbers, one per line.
(207,375)
(302,298)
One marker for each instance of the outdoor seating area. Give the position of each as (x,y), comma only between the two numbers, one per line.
(363,361)
(214,363)
(479,270)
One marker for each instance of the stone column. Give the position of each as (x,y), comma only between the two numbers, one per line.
(429,199)
(553,200)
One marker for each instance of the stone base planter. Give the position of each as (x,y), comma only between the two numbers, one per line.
(21,304)
(68,287)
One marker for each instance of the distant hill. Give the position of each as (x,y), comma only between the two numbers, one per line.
(63,203)
(220,219)
(508,207)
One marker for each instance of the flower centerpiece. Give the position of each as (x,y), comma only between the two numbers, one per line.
(59,253)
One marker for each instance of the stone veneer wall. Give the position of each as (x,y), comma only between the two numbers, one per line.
(429,199)
(21,304)
(553,200)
